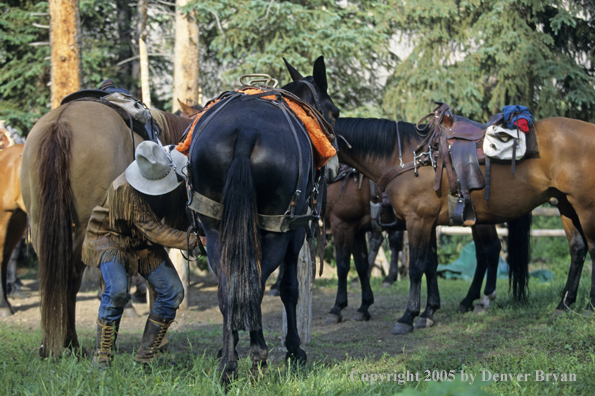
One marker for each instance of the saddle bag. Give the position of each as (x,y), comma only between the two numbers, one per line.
(500,143)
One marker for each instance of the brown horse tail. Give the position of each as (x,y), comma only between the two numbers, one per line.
(519,255)
(55,244)
(239,238)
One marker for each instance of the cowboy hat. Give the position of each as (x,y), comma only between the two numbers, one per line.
(157,170)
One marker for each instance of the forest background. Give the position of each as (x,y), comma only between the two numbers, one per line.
(384,58)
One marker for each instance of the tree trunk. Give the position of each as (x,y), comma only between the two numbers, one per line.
(185,59)
(65,52)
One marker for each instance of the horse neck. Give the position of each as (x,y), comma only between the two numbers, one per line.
(174,127)
(371,167)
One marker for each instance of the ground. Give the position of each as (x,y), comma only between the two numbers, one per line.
(511,339)
(203,314)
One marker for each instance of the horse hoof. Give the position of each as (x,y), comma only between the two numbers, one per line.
(480,309)
(386,284)
(401,328)
(423,323)
(361,317)
(5,312)
(274,293)
(333,319)
(297,359)
(130,313)
(463,309)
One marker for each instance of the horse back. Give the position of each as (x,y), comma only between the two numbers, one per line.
(100,148)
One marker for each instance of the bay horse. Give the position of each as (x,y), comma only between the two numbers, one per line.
(13,214)
(255,160)
(72,155)
(348,216)
(375,151)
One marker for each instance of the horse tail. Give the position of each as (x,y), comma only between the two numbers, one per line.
(239,238)
(55,234)
(519,255)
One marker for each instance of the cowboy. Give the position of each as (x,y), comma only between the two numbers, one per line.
(126,235)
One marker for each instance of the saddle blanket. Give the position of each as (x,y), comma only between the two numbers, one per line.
(322,148)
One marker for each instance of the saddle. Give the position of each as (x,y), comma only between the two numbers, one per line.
(456,146)
(127,107)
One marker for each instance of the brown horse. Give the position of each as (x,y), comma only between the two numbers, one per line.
(71,156)
(562,171)
(13,216)
(348,216)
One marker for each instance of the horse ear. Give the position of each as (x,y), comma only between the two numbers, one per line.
(189,111)
(319,74)
(295,75)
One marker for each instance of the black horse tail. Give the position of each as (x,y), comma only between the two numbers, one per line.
(55,233)
(519,255)
(240,247)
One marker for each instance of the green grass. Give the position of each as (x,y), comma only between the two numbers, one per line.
(511,339)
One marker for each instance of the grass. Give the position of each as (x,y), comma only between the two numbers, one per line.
(512,339)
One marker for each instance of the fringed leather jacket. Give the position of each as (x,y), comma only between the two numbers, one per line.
(125,228)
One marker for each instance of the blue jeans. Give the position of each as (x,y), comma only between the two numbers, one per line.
(164,278)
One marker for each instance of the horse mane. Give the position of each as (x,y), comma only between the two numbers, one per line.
(377,137)
(172,126)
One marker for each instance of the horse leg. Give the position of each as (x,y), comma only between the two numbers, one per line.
(578,252)
(360,256)
(74,284)
(343,238)
(419,232)
(289,295)
(375,240)
(274,290)
(427,317)
(487,253)
(395,241)
(12,226)
(129,311)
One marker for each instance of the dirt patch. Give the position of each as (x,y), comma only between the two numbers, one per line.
(198,329)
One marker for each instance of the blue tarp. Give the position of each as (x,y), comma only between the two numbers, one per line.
(464,267)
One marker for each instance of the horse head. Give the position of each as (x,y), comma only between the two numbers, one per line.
(313,89)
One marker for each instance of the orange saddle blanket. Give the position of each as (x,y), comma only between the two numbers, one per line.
(322,148)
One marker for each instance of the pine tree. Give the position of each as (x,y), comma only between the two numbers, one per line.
(479,56)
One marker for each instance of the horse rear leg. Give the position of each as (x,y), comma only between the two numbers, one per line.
(360,256)
(289,295)
(578,252)
(487,252)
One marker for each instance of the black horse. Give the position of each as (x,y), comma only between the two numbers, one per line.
(376,138)
(256,160)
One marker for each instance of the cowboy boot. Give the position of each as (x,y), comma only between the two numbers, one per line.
(155,331)
(106,334)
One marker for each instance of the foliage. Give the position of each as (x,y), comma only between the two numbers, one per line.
(479,56)
(251,36)
(24,69)
(107,36)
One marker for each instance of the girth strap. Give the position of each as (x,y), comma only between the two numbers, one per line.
(274,223)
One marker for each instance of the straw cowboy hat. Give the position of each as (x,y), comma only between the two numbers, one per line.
(153,172)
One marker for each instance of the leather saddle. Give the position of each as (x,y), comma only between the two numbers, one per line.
(456,144)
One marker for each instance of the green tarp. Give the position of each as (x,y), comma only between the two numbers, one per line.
(464,267)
